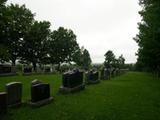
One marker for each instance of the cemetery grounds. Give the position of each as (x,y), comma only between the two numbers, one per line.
(132,96)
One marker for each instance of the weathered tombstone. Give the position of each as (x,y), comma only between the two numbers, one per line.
(40,93)
(72,81)
(92,77)
(14,93)
(6,70)
(47,70)
(3,103)
(35,82)
(27,70)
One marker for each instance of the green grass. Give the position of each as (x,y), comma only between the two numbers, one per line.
(133,96)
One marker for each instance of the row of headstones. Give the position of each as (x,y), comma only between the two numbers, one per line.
(40,92)
(6,70)
(29,70)
(73,80)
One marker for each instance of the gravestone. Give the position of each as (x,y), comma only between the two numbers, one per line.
(27,70)
(14,91)
(40,93)
(6,70)
(72,81)
(92,77)
(3,103)
(47,70)
(35,82)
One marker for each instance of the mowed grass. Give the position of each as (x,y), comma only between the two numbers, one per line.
(132,96)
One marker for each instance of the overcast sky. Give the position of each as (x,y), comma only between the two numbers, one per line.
(100,25)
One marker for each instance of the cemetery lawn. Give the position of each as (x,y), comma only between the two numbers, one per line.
(132,96)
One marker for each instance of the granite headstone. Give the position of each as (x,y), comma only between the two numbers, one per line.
(14,91)
(72,79)
(3,102)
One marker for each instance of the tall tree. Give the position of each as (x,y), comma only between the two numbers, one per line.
(18,22)
(109,59)
(121,61)
(82,58)
(86,59)
(63,46)
(36,42)
(4,56)
(148,38)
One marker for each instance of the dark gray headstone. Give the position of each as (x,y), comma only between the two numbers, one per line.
(3,102)
(92,77)
(7,70)
(35,82)
(14,91)
(27,69)
(40,92)
(47,70)
(72,79)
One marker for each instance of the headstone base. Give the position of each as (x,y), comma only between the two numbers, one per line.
(65,90)
(41,103)
(32,73)
(93,82)
(15,105)
(38,73)
(3,103)
(106,78)
(8,74)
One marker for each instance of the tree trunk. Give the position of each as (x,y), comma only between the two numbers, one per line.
(34,66)
(13,62)
(59,65)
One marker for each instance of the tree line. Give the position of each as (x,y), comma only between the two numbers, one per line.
(148,37)
(111,62)
(28,41)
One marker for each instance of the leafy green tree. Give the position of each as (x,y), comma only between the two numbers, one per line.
(4,56)
(63,46)
(2,2)
(82,58)
(86,59)
(77,57)
(121,61)
(109,59)
(36,43)
(148,37)
(18,21)
(115,63)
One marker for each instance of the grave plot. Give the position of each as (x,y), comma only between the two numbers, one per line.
(105,74)
(92,77)
(27,70)
(14,93)
(3,103)
(72,81)
(7,70)
(40,93)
